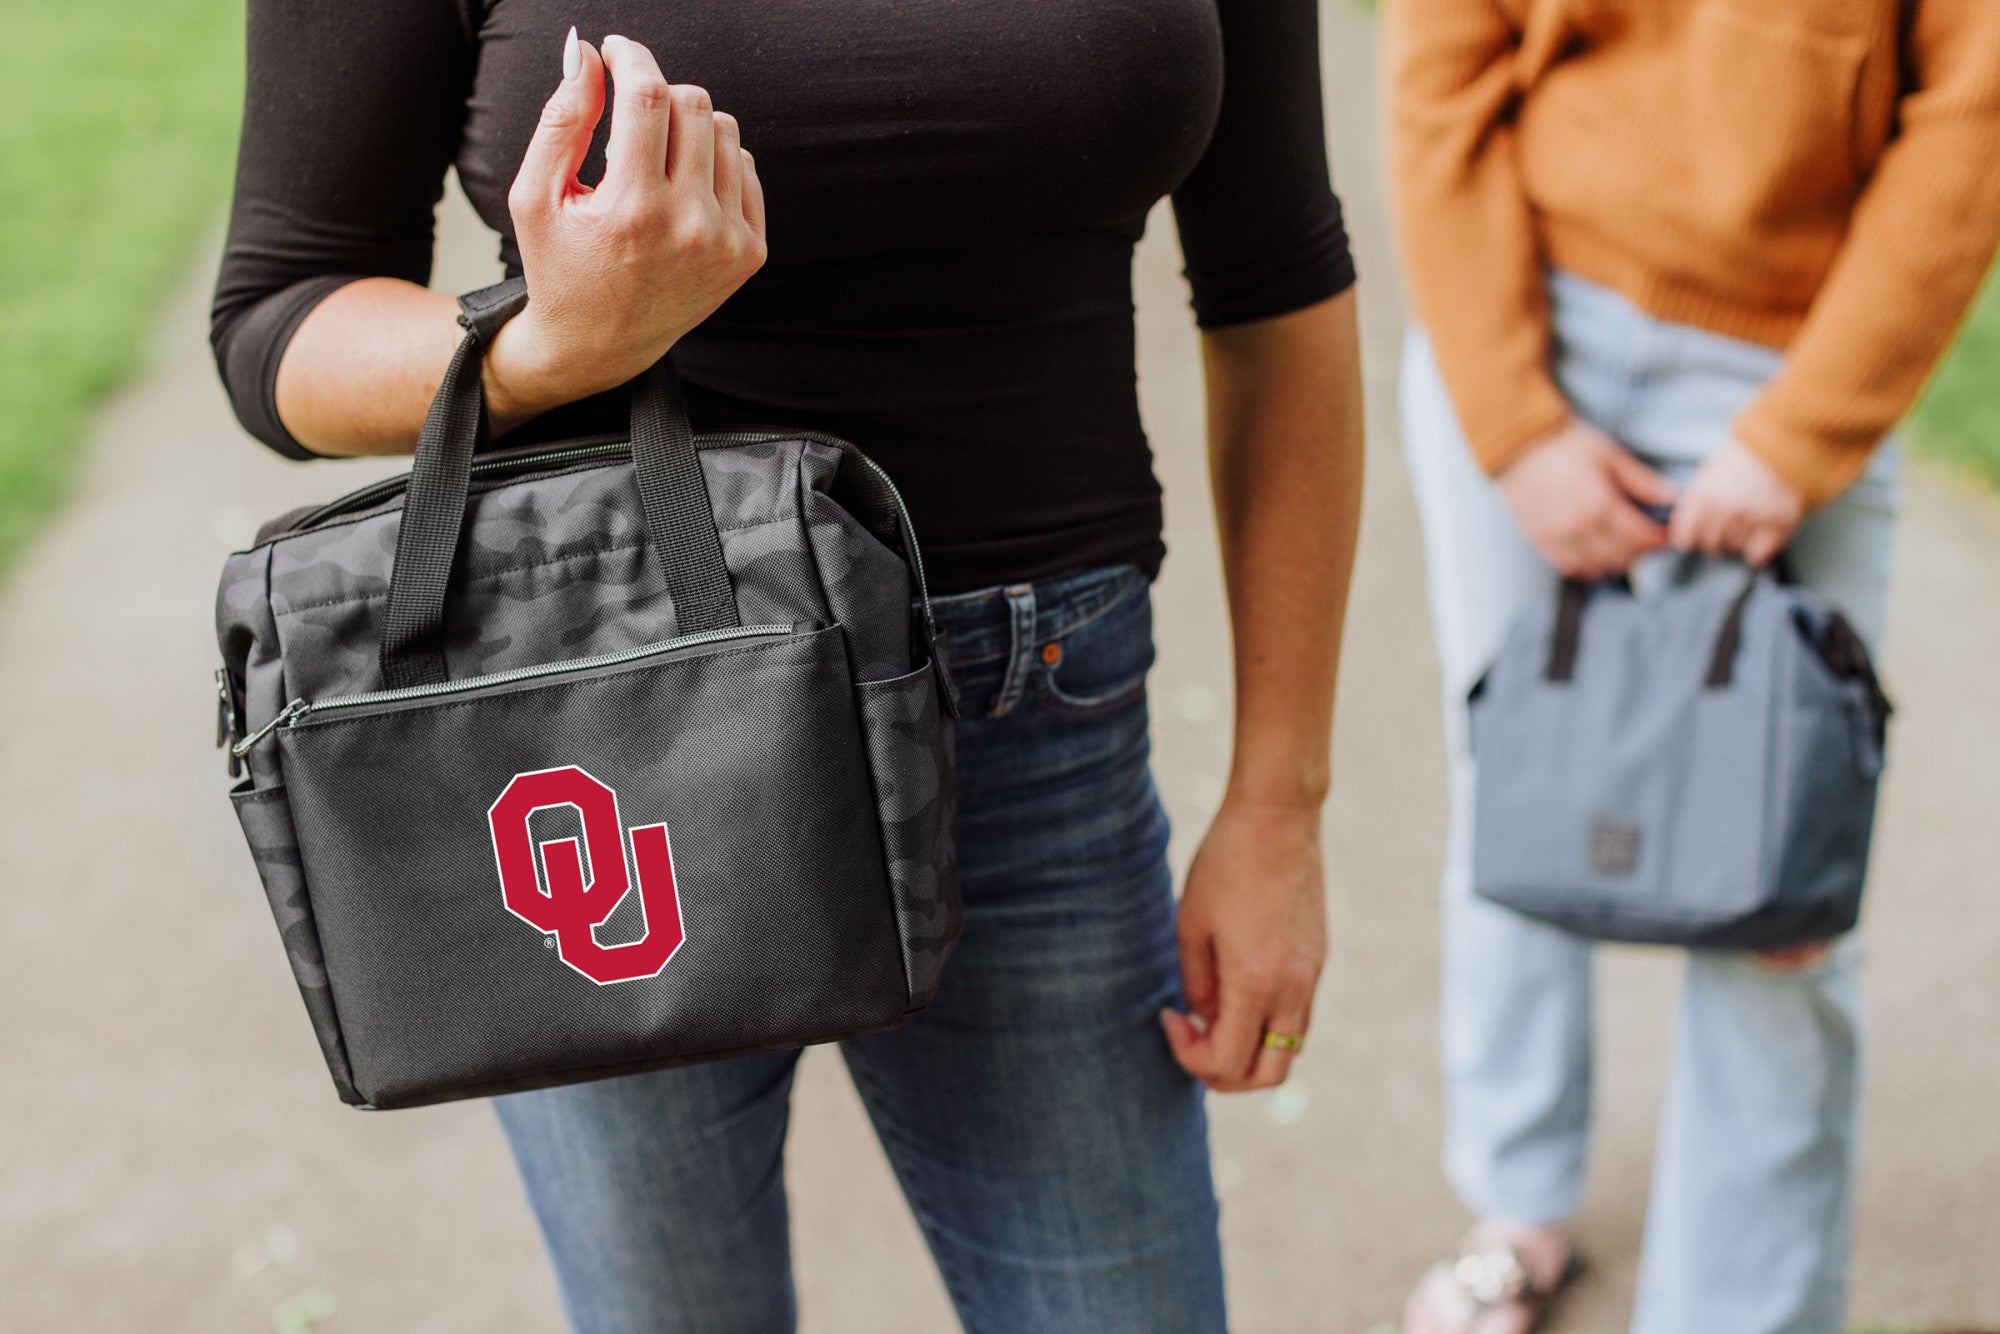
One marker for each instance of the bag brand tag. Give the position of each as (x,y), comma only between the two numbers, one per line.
(1614,848)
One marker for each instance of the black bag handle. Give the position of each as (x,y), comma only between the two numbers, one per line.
(1571,599)
(1574,596)
(673,499)
(1722,662)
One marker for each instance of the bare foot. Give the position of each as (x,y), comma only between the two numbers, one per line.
(1444,1301)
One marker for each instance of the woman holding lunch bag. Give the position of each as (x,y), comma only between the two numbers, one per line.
(1680,269)
(910,225)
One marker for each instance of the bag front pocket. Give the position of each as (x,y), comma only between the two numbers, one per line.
(595,870)
(910,756)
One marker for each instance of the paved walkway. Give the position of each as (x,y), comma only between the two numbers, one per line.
(174,1159)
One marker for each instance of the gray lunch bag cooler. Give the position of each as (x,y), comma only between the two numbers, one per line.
(1692,766)
(578,760)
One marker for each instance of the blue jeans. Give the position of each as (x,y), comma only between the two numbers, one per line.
(1054,1154)
(1748,1227)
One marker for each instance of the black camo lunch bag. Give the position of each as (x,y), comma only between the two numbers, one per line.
(577,760)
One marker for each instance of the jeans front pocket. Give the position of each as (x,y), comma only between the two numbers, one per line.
(1099,665)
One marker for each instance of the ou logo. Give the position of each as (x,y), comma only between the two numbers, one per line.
(573,907)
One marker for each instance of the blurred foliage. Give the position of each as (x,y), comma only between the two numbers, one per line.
(1958,419)
(117,129)
(297,1314)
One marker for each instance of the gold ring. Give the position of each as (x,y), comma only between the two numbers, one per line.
(1283,1041)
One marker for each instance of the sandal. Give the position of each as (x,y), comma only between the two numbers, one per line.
(1488,1274)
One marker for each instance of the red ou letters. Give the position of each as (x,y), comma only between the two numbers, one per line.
(573,908)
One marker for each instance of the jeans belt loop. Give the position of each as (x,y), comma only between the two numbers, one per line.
(1020,650)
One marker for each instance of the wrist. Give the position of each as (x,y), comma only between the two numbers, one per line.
(1541,443)
(1297,796)
(1281,761)
(521,376)
(1497,452)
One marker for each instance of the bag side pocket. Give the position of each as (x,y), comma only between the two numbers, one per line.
(1823,824)
(266,817)
(910,757)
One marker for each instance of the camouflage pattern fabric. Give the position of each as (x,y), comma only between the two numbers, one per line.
(558,567)
(554,565)
(909,748)
(267,824)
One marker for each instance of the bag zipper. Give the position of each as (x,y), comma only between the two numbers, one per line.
(363,497)
(298,710)
(902,511)
(389,486)
(227,724)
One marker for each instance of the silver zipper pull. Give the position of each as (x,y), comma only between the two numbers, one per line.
(298,708)
(225,710)
(225,719)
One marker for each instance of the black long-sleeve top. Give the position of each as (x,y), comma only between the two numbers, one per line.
(954,189)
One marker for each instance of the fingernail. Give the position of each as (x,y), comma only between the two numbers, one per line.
(572,58)
(613,37)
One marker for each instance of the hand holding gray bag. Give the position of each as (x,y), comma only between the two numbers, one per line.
(577,760)
(1696,766)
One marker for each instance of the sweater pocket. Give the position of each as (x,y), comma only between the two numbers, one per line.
(1772,111)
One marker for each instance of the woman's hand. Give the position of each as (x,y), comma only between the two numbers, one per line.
(617,274)
(1736,505)
(1252,930)
(1577,495)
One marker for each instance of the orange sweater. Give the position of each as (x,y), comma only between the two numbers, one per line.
(1817,175)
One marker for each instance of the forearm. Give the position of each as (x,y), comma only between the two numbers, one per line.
(1285,465)
(1912,262)
(360,372)
(1920,240)
(1873,335)
(1466,230)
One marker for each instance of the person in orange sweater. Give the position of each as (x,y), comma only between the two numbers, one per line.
(1695,257)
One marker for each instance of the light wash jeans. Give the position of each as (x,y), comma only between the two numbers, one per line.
(1749,1221)
(1054,1154)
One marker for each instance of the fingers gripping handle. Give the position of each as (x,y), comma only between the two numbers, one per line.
(672,493)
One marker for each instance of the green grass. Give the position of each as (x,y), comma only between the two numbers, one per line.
(1958,419)
(117,130)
